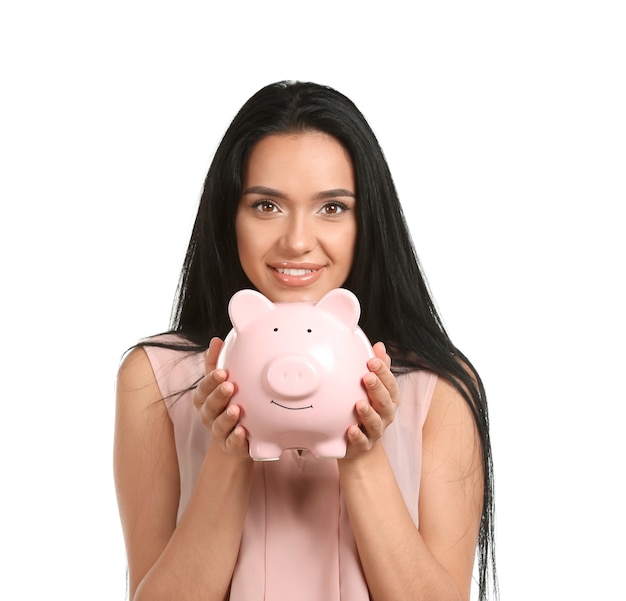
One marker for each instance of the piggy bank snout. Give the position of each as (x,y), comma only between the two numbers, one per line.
(293,376)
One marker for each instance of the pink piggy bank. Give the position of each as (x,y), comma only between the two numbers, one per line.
(297,369)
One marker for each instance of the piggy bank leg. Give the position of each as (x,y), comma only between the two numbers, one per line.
(264,451)
(330,449)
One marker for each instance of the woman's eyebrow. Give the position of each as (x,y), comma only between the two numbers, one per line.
(334,193)
(265,191)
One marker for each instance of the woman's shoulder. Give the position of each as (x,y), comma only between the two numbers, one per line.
(417,388)
(168,360)
(417,385)
(422,381)
(451,426)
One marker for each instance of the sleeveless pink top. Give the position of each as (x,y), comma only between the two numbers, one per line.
(297,541)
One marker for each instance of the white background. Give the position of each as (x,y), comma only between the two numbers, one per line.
(504,126)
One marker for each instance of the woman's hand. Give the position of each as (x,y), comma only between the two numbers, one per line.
(384,398)
(211,398)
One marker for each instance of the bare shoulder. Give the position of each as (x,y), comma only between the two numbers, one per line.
(138,398)
(140,409)
(447,404)
(145,465)
(450,429)
(135,373)
(451,489)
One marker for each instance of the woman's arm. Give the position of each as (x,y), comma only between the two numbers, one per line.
(400,561)
(194,559)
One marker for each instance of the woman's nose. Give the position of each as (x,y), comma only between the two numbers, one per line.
(299,235)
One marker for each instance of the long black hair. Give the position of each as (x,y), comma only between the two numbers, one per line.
(396,305)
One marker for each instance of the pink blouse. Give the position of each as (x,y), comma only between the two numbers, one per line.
(297,541)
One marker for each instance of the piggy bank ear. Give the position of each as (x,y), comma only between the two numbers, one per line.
(342,304)
(245,306)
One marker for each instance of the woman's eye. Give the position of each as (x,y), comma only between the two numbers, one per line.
(334,208)
(265,206)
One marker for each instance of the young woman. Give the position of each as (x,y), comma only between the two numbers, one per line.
(298,201)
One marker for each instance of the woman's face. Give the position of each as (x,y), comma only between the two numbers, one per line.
(296,223)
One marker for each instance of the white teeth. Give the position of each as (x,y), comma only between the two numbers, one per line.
(294,271)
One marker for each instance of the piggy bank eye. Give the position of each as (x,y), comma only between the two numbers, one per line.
(309,330)
(275,329)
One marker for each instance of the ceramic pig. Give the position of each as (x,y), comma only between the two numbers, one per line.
(297,369)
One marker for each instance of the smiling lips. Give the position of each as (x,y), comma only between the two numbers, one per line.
(300,275)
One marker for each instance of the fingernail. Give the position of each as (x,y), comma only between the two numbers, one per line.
(363,407)
(370,380)
(375,364)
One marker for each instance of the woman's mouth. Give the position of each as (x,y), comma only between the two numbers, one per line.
(294,271)
(297,276)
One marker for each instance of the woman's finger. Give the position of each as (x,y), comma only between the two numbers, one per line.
(212,354)
(382,390)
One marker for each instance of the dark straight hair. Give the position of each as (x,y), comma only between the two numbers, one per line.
(396,305)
